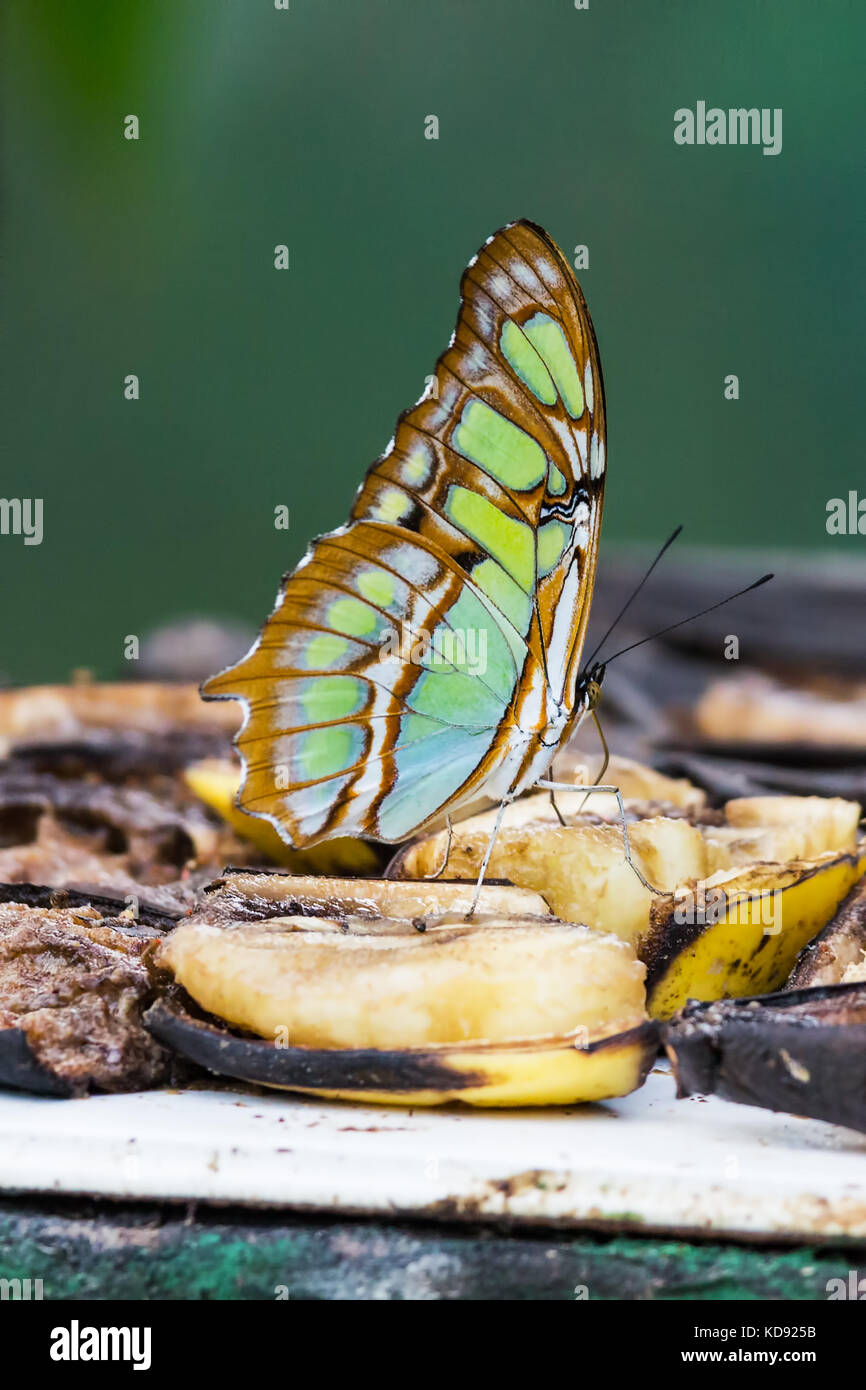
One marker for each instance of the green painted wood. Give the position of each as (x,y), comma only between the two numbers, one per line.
(102,1250)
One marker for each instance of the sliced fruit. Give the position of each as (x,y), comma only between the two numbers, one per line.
(580,869)
(802,1051)
(55,712)
(250,895)
(215,781)
(317,982)
(781,828)
(739,933)
(737,902)
(418,1006)
(755,708)
(638,782)
(551,1072)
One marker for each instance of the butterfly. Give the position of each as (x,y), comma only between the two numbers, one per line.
(427,653)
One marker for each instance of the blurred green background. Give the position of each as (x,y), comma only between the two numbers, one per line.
(306,127)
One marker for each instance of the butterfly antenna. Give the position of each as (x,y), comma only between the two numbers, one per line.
(765,579)
(630,600)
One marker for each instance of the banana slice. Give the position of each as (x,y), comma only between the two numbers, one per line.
(738,900)
(777,829)
(215,781)
(580,869)
(417,1007)
(802,1052)
(739,933)
(636,782)
(554,1072)
(250,895)
(327,984)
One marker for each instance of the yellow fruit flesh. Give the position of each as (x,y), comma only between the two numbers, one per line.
(382,898)
(772,910)
(580,870)
(784,864)
(770,913)
(498,982)
(216,783)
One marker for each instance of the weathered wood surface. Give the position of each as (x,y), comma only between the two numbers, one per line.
(101,1250)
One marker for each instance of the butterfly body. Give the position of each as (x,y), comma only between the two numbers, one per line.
(427,653)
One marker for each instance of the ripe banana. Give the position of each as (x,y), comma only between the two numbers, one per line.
(417,1007)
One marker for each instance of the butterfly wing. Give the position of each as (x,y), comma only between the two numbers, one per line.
(415,654)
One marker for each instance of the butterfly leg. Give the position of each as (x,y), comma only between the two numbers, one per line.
(614,791)
(444,865)
(506,801)
(559,816)
(606,760)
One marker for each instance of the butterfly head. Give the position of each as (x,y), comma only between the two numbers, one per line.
(589,688)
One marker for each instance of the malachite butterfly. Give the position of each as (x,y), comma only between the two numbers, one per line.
(427,653)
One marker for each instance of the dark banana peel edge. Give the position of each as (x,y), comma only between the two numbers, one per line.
(47,896)
(556,1070)
(800,1052)
(21,1069)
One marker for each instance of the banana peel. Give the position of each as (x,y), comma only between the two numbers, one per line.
(216,782)
(801,1052)
(739,896)
(745,938)
(556,1072)
(510,1008)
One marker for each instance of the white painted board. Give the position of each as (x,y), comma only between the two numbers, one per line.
(646,1162)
